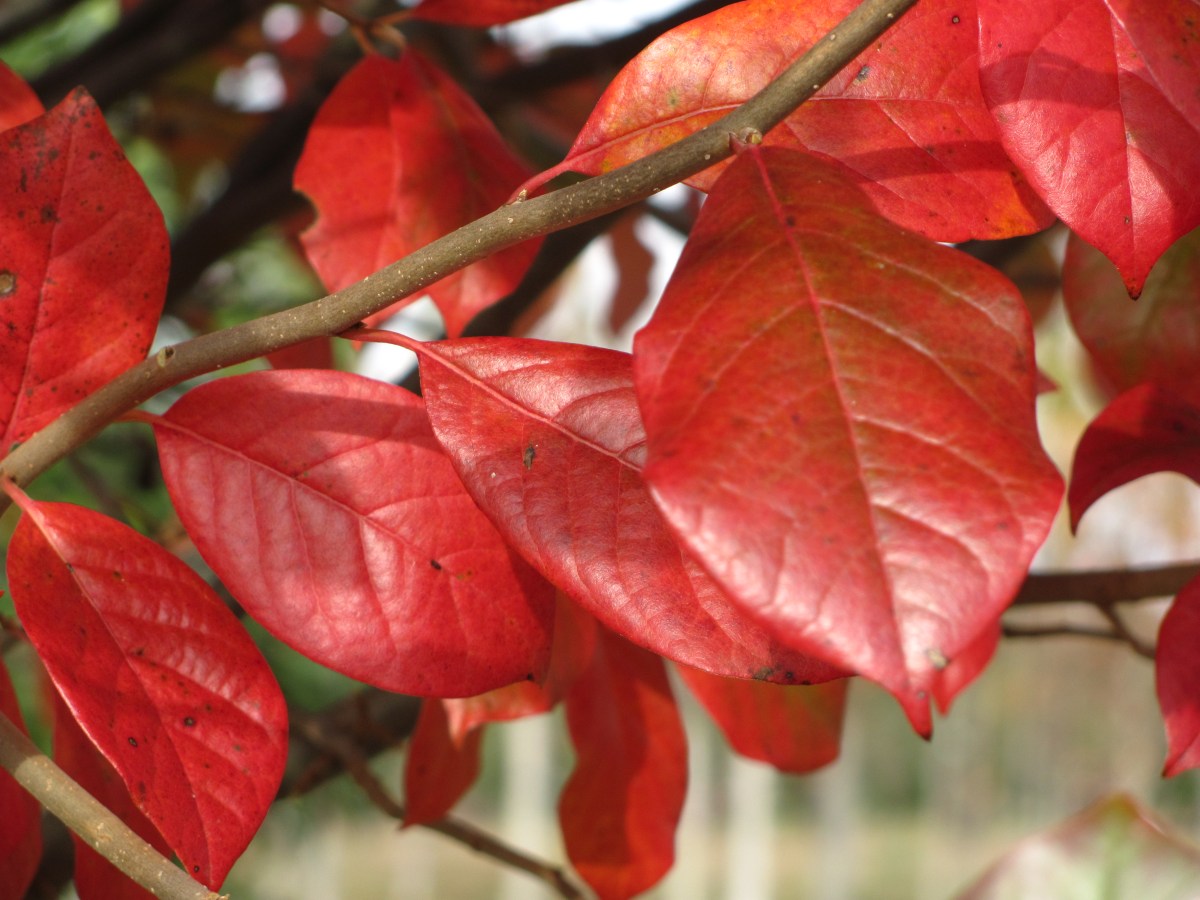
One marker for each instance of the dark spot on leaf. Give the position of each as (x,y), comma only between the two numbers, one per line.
(763,674)
(436,565)
(790,221)
(1126,220)
(805,681)
(954,20)
(133,742)
(862,74)
(529,676)
(189,722)
(48,214)
(530,453)
(8,282)
(139,651)
(117,575)
(195,869)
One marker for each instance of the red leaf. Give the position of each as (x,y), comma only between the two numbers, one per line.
(95,876)
(794,728)
(1177,674)
(840,421)
(314,354)
(324,503)
(160,675)
(966,666)
(83,265)
(1096,101)
(18,102)
(548,440)
(916,137)
(481,13)
(439,768)
(1146,429)
(1156,338)
(21,823)
(620,807)
(398,156)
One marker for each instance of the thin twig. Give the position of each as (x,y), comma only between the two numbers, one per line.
(357,765)
(1106,586)
(1121,629)
(1060,630)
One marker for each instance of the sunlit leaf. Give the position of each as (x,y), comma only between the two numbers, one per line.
(1147,429)
(917,139)
(399,155)
(548,440)
(622,802)
(83,265)
(21,823)
(1155,338)
(795,728)
(840,424)
(328,509)
(1096,101)
(160,675)
(1111,849)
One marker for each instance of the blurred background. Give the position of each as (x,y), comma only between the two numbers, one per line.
(211,100)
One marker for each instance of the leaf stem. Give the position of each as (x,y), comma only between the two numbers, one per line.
(502,228)
(88,818)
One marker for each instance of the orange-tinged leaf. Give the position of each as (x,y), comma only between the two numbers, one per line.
(840,424)
(159,674)
(481,13)
(1096,101)
(620,806)
(18,102)
(1155,338)
(398,156)
(548,440)
(917,138)
(326,506)
(1177,680)
(83,265)
(21,823)
(1147,429)
(795,728)
(95,877)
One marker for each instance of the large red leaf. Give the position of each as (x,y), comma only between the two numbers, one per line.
(795,728)
(1096,101)
(840,424)
(1147,429)
(325,504)
(95,877)
(1177,676)
(1156,338)
(621,804)
(481,13)
(1111,849)
(158,672)
(440,767)
(548,440)
(399,155)
(21,821)
(18,102)
(905,120)
(83,265)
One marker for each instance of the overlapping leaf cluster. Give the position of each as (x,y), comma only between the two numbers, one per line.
(819,460)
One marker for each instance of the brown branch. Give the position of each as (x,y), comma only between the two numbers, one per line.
(88,818)
(505,227)
(313,729)
(1105,587)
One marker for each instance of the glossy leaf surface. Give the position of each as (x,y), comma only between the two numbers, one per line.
(21,823)
(548,440)
(83,265)
(622,802)
(18,102)
(1145,430)
(95,877)
(327,507)
(398,156)
(1111,849)
(918,140)
(839,421)
(1156,338)
(160,675)
(440,768)
(1177,679)
(795,728)
(481,13)
(1096,101)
